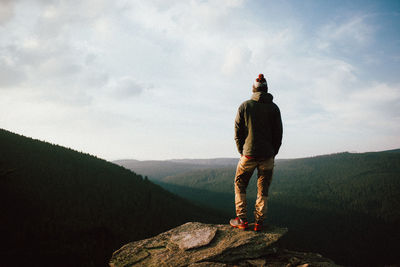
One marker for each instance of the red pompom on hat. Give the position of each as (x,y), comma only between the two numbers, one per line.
(260,83)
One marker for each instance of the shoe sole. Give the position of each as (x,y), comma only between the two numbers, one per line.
(258,229)
(241,228)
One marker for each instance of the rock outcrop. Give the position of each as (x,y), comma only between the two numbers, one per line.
(196,245)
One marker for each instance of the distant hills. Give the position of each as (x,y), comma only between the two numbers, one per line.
(209,162)
(158,169)
(59,207)
(346,205)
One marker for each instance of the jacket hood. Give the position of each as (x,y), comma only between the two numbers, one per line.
(262,97)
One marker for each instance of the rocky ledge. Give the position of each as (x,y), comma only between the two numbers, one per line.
(196,244)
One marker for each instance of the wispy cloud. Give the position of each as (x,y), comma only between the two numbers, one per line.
(126,87)
(6,11)
(346,34)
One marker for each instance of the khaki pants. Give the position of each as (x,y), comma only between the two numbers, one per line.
(244,171)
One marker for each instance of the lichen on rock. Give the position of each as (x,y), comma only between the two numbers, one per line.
(195,238)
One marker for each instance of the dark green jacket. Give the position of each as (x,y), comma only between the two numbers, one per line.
(258,126)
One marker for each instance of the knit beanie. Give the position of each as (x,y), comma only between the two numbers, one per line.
(260,84)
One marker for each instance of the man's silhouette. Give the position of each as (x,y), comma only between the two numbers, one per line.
(258,136)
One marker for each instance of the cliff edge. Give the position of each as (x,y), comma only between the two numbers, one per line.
(196,244)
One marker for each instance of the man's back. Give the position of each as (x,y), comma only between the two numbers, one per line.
(258,126)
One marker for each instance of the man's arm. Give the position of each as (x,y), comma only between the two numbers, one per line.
(240,130)
(278,131)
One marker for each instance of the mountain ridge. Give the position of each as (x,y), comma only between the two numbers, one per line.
(234,160)
(156,170)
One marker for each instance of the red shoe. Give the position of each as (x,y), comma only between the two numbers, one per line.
(258,226)
(239,223)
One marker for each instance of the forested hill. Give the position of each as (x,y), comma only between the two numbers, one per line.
(364,182)
(59,207)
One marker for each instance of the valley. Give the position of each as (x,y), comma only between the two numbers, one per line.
(341,205)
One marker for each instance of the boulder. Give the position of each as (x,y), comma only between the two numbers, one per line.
(198,244)
(206,245)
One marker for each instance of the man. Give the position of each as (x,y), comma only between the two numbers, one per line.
(258,136)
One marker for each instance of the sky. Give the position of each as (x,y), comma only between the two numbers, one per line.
(163,79)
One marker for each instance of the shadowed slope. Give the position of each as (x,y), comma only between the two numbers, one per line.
(59,207)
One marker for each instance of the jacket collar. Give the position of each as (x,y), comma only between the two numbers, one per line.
(262,97)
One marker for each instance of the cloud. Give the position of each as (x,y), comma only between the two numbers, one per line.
(236,57)
(346,35)
(183,67)
(6,10)
(376,106)
(10,75)
(47,53)
(126,87)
